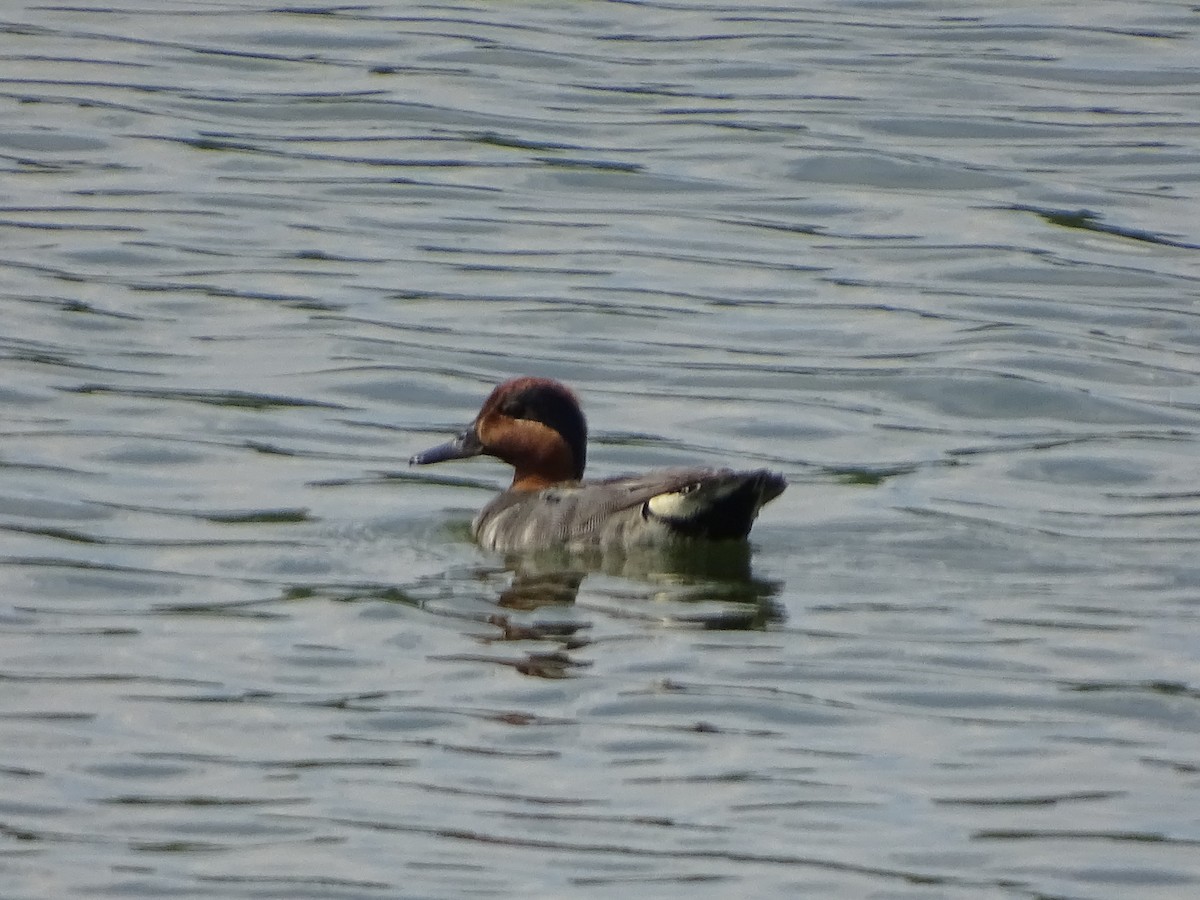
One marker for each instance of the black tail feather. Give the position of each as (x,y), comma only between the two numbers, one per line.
(721,507)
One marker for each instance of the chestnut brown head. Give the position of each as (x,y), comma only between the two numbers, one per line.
(533,424)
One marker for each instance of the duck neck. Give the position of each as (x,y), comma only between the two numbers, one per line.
(542,464)
(533,481)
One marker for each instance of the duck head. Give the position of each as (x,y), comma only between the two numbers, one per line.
(533,424)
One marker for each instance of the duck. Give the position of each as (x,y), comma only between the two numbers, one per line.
(537,426)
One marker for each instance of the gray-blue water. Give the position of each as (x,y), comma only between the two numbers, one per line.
(937,263)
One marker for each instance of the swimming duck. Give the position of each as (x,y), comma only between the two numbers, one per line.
(537,427)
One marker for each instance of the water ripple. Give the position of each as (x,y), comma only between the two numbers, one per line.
(936,266)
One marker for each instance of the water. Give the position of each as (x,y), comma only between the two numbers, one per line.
(937,264)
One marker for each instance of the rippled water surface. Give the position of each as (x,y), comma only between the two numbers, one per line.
(938,264)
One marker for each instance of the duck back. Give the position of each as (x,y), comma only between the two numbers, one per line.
(672,504)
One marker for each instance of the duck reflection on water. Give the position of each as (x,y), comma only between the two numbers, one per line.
(535,596)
